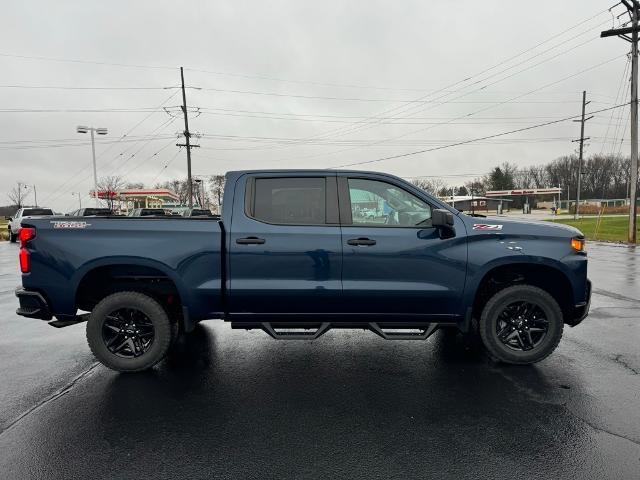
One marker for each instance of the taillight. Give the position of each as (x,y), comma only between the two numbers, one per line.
(26,234)
(25,261)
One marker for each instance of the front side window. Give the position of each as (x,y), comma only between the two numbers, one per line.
(382,204)
(289,200)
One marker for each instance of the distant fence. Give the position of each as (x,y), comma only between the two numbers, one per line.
(595,210)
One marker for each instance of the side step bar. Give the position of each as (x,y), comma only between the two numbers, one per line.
(418,333)
(294,333)
(314,330)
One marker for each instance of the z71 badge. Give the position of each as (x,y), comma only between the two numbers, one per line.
(486,226)
(70,224)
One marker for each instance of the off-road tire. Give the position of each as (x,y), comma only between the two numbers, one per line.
(496,304)
(151,309)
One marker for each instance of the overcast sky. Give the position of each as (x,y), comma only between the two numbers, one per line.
(332,83)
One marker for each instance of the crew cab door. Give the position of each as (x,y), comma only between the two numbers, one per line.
(395,264)
(284,248)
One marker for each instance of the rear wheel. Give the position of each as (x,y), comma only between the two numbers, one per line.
(521,324)
(129,332)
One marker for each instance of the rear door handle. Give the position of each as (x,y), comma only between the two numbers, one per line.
(250,241)
(362,242)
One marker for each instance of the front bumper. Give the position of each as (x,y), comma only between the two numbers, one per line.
(581,310)
(32,304)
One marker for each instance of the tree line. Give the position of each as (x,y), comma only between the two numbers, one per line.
(603,177)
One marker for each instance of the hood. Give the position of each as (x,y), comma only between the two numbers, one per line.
(495,224)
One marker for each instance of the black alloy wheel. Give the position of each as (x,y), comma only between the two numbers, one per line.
(522,326)
(128,332)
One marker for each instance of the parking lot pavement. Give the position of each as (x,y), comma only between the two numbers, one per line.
(232,404)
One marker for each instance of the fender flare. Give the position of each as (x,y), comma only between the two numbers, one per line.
(81,273)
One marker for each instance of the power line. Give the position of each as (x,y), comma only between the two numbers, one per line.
(307,82)
(166,165)
(473,140)
(624,74)
(363,124)
(77,144)
(125,135)
(61,87)
(79,110)
(472,113)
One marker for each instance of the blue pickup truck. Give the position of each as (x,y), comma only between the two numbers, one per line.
(297,253)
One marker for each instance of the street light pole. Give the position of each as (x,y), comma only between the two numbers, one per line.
(99,131)
(95,170)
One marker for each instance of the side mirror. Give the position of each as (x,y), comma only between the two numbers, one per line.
(9,218)
(441,218)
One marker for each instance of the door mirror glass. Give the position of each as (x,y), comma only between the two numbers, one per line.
(442,218)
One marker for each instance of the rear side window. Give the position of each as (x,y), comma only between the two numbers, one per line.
(36,211)
(290,200)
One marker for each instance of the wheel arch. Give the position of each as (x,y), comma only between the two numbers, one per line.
(547,274)
(109,275)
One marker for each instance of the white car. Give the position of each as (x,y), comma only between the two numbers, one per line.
(14,222)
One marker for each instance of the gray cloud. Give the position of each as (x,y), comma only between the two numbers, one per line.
(403,49)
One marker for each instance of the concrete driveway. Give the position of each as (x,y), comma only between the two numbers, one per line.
(232,404)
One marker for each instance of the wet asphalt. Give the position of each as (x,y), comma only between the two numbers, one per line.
(236,404)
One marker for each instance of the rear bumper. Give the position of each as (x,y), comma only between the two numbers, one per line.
(581,310)
(32,304)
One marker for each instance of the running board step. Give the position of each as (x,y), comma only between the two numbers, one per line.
(312,330)
(295,333)
(394,333)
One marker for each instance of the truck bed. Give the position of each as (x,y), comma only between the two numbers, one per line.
(185,250)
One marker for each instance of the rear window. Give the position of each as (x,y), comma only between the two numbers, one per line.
(97,211)
(201,213)
(36,211)
(149,212)
(292,201)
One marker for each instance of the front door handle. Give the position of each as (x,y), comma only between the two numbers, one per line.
(250,241)
(362,242)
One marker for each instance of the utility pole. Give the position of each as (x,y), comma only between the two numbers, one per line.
(632,7)
(187,144)
(581,140)
(79,197)
(35,196)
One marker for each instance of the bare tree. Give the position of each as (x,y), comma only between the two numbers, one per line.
(17,194)
(108,188)
(216,187)
(430,185)
(179,187)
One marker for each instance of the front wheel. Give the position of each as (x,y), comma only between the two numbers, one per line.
(521,324)
(12,237)
(129,332)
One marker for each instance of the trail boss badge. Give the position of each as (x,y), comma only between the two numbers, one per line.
(70,224)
